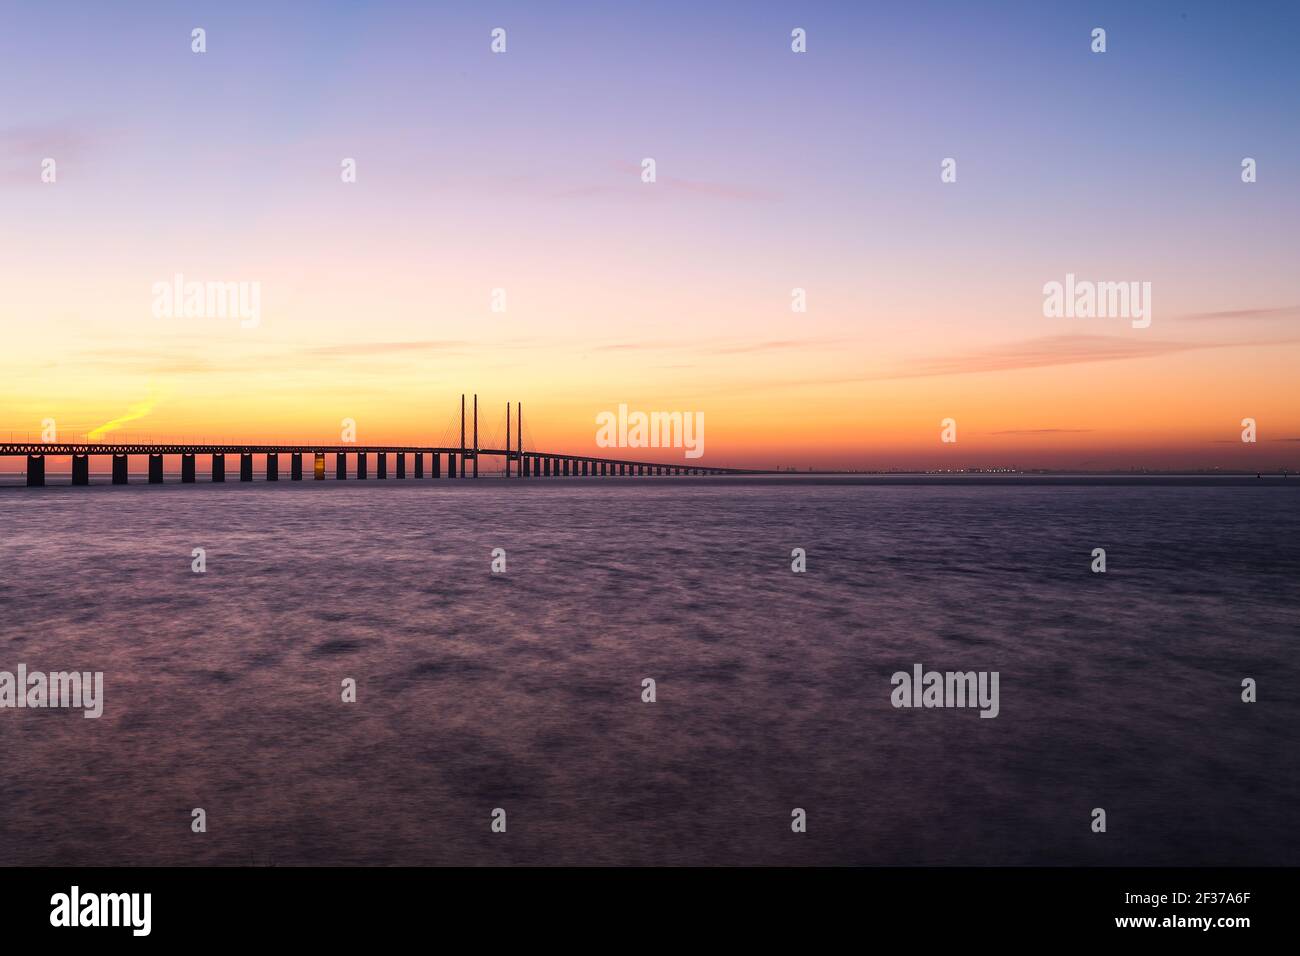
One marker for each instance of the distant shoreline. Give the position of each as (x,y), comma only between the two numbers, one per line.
(1044,479)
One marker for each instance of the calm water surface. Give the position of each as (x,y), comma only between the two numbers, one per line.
(523,690)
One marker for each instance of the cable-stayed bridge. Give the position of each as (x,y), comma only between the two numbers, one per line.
(430,461)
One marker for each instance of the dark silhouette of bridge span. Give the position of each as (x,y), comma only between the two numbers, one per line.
(461,461)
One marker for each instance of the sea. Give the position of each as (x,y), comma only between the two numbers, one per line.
(502,715)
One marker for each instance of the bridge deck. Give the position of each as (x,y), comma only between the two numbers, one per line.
(81,449)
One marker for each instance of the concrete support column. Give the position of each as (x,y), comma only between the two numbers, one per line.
(566,468)
(35,471)
(187,468)
(451,464)
(341,466)
(318,466)
(419,464)
(245,466)
(119,469)
(381,465)
(273,466)
(401,464)
(81,469)
(218,467)
(361,466)
(437,465)
(155,469)
(295,466)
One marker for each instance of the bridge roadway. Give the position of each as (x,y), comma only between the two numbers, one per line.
(531,464)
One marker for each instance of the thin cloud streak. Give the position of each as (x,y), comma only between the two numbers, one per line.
(1280,312)
(1046,352)
(1042,431)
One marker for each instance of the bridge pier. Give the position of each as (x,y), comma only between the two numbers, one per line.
(155,469)
(381,465)
(318,466)
(419,464)
(622,471)
(35,471)
(187,468)
(451,464)
(218,466)
(566,468)
(401,464)
(361,466)
(437,465)
(272,466)
(119,469)
(295,466)
(81,469)
(245,466)
(341,466)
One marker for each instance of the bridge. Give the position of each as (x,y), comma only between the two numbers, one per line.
(462,461)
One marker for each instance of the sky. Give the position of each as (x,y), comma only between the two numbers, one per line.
(775,170)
